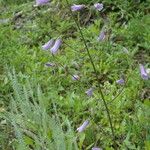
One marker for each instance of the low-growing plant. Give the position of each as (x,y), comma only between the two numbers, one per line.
(88,75)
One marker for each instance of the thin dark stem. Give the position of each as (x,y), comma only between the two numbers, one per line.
(119,93)
(64,41)
(56,60)
(94,68)
(62,66)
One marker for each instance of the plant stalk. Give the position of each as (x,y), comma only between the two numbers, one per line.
(94,68)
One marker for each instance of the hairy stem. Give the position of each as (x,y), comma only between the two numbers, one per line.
(94,68)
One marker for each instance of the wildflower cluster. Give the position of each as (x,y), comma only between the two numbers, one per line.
(52,45)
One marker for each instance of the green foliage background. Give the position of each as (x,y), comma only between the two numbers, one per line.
(41,108)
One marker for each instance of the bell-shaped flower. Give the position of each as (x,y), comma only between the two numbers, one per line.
(77,7)
(56,46)
(75,77)
(96,148)
(98,6)
(120,81)
(48,45)
(101,36)
(48,64)
(89,92)
(41,2)
(144,74)
(83,126)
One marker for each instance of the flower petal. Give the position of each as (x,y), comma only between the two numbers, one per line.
(89,92)
(75,77)
(102,36)
(96,148)
(120,81)
(77,7)
(56,46)
(98,6)
(144,74)
(83,126)
(48,64)
(48,45)
(41,2)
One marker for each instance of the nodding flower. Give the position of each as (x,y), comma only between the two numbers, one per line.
(102,36)
(83,126)
(56,46)
(99,6)
(144,74)
(48,45)
(89,92)
(96,148)
(77,7)
(41,2)
(120,81)
(48,64)
(75,77)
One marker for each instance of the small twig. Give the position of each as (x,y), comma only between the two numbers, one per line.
(120,90)
(62,66)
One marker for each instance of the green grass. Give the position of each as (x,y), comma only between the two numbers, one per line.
(41,107)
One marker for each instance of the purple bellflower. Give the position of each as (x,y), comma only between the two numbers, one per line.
(102,36)
(41,2)
(56,46)
(98,6)
(75,77)
(144,73)
(83,126)
(120,81)
(96,148)
(89,92)
(48,45)
(77,7)
(48,64)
